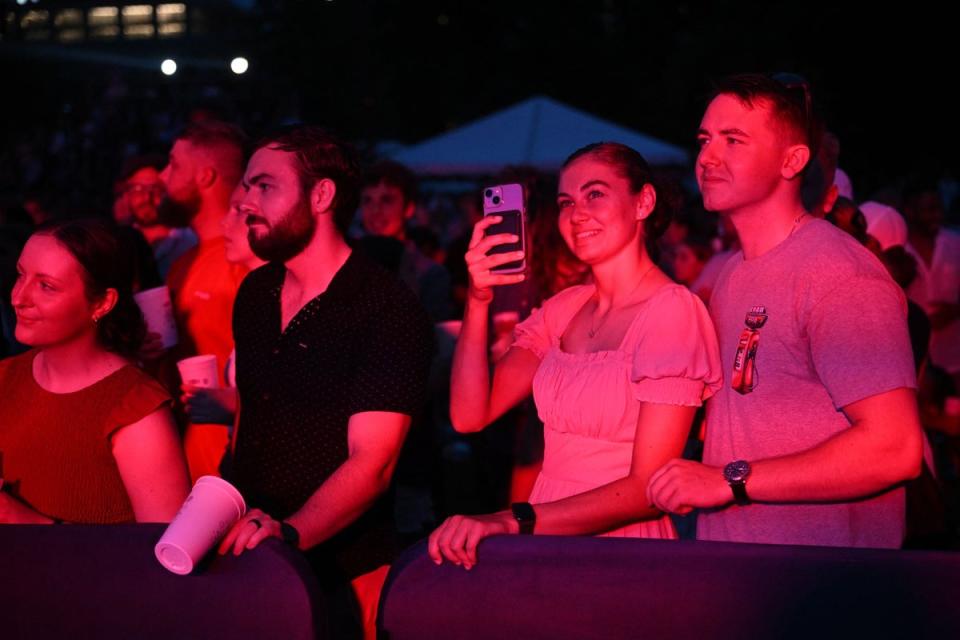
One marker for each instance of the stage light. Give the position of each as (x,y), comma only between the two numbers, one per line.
(168,67)
(239,65)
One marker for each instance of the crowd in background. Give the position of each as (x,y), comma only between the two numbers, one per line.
(106,150)
(141,171)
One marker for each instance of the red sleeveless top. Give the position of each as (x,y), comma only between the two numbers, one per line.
(57,453)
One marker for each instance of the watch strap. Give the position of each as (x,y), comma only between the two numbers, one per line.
(289,534)
(740,493)
(525,516)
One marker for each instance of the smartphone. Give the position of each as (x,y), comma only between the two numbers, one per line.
(506,201)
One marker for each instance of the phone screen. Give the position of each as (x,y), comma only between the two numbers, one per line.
(510,223)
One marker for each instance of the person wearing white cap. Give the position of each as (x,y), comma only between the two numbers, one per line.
(885,224)
(842,182)
(937,285)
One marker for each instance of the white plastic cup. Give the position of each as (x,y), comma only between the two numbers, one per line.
(212,507)
(158,313)
(199,371)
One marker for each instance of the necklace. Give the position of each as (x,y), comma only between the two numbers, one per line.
(593,330)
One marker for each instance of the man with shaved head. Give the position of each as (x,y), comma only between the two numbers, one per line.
(204,166)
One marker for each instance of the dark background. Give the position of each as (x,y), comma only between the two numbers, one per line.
(404,71)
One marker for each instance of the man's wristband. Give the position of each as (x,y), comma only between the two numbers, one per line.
(289,534)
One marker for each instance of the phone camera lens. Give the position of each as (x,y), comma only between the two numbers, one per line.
(496,199)
(488,192)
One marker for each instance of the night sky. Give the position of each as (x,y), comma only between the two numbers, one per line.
(407,70)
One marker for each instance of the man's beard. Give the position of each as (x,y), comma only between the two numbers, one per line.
(178,213)
(286,238)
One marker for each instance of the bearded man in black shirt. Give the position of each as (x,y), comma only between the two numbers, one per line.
(332,360)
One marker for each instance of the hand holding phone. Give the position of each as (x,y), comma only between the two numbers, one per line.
(505,201)
(497,253)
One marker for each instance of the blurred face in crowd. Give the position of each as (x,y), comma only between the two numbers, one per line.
(49,296)
(277,212)
(847,217)
(741,155)
(179,179)
(599,216)
(35,209)
(384,211)
(686,264)
(675,234)
(143,192)
(924,212)
(234,225)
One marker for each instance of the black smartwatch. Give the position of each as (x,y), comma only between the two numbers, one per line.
(524,514)
(736,474)
(289,534)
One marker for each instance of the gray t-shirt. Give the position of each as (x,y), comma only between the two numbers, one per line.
(835,333)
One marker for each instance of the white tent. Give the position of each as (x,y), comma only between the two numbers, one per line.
(539,132)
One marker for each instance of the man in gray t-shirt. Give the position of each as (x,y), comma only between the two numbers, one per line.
(816,425)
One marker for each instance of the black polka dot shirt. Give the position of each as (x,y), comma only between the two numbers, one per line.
(365,344)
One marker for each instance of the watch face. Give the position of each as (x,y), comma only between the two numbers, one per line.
(525,516)
(736,471)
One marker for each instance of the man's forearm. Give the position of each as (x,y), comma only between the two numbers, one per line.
(881,448)
(838,469)
(339,501)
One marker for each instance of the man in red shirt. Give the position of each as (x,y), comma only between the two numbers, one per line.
(204,166)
